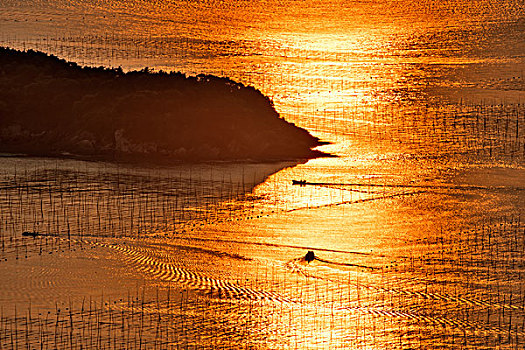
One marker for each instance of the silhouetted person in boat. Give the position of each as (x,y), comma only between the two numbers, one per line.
(310,256)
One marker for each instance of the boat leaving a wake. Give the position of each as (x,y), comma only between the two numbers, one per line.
(310,256)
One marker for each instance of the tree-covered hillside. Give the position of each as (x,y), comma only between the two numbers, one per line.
(52,107)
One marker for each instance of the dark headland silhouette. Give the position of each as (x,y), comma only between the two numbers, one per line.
(50,107)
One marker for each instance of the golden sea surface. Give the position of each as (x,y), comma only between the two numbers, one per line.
(417,224)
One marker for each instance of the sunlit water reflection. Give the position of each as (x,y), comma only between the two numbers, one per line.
(417,224)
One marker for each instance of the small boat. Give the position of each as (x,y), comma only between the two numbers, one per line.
(310,256)
(30,234)
(299,182)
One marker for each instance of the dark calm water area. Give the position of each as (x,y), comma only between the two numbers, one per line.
(417,226)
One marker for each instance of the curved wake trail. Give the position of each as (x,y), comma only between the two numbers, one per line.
(165,266)
(170,272)
(164,271)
